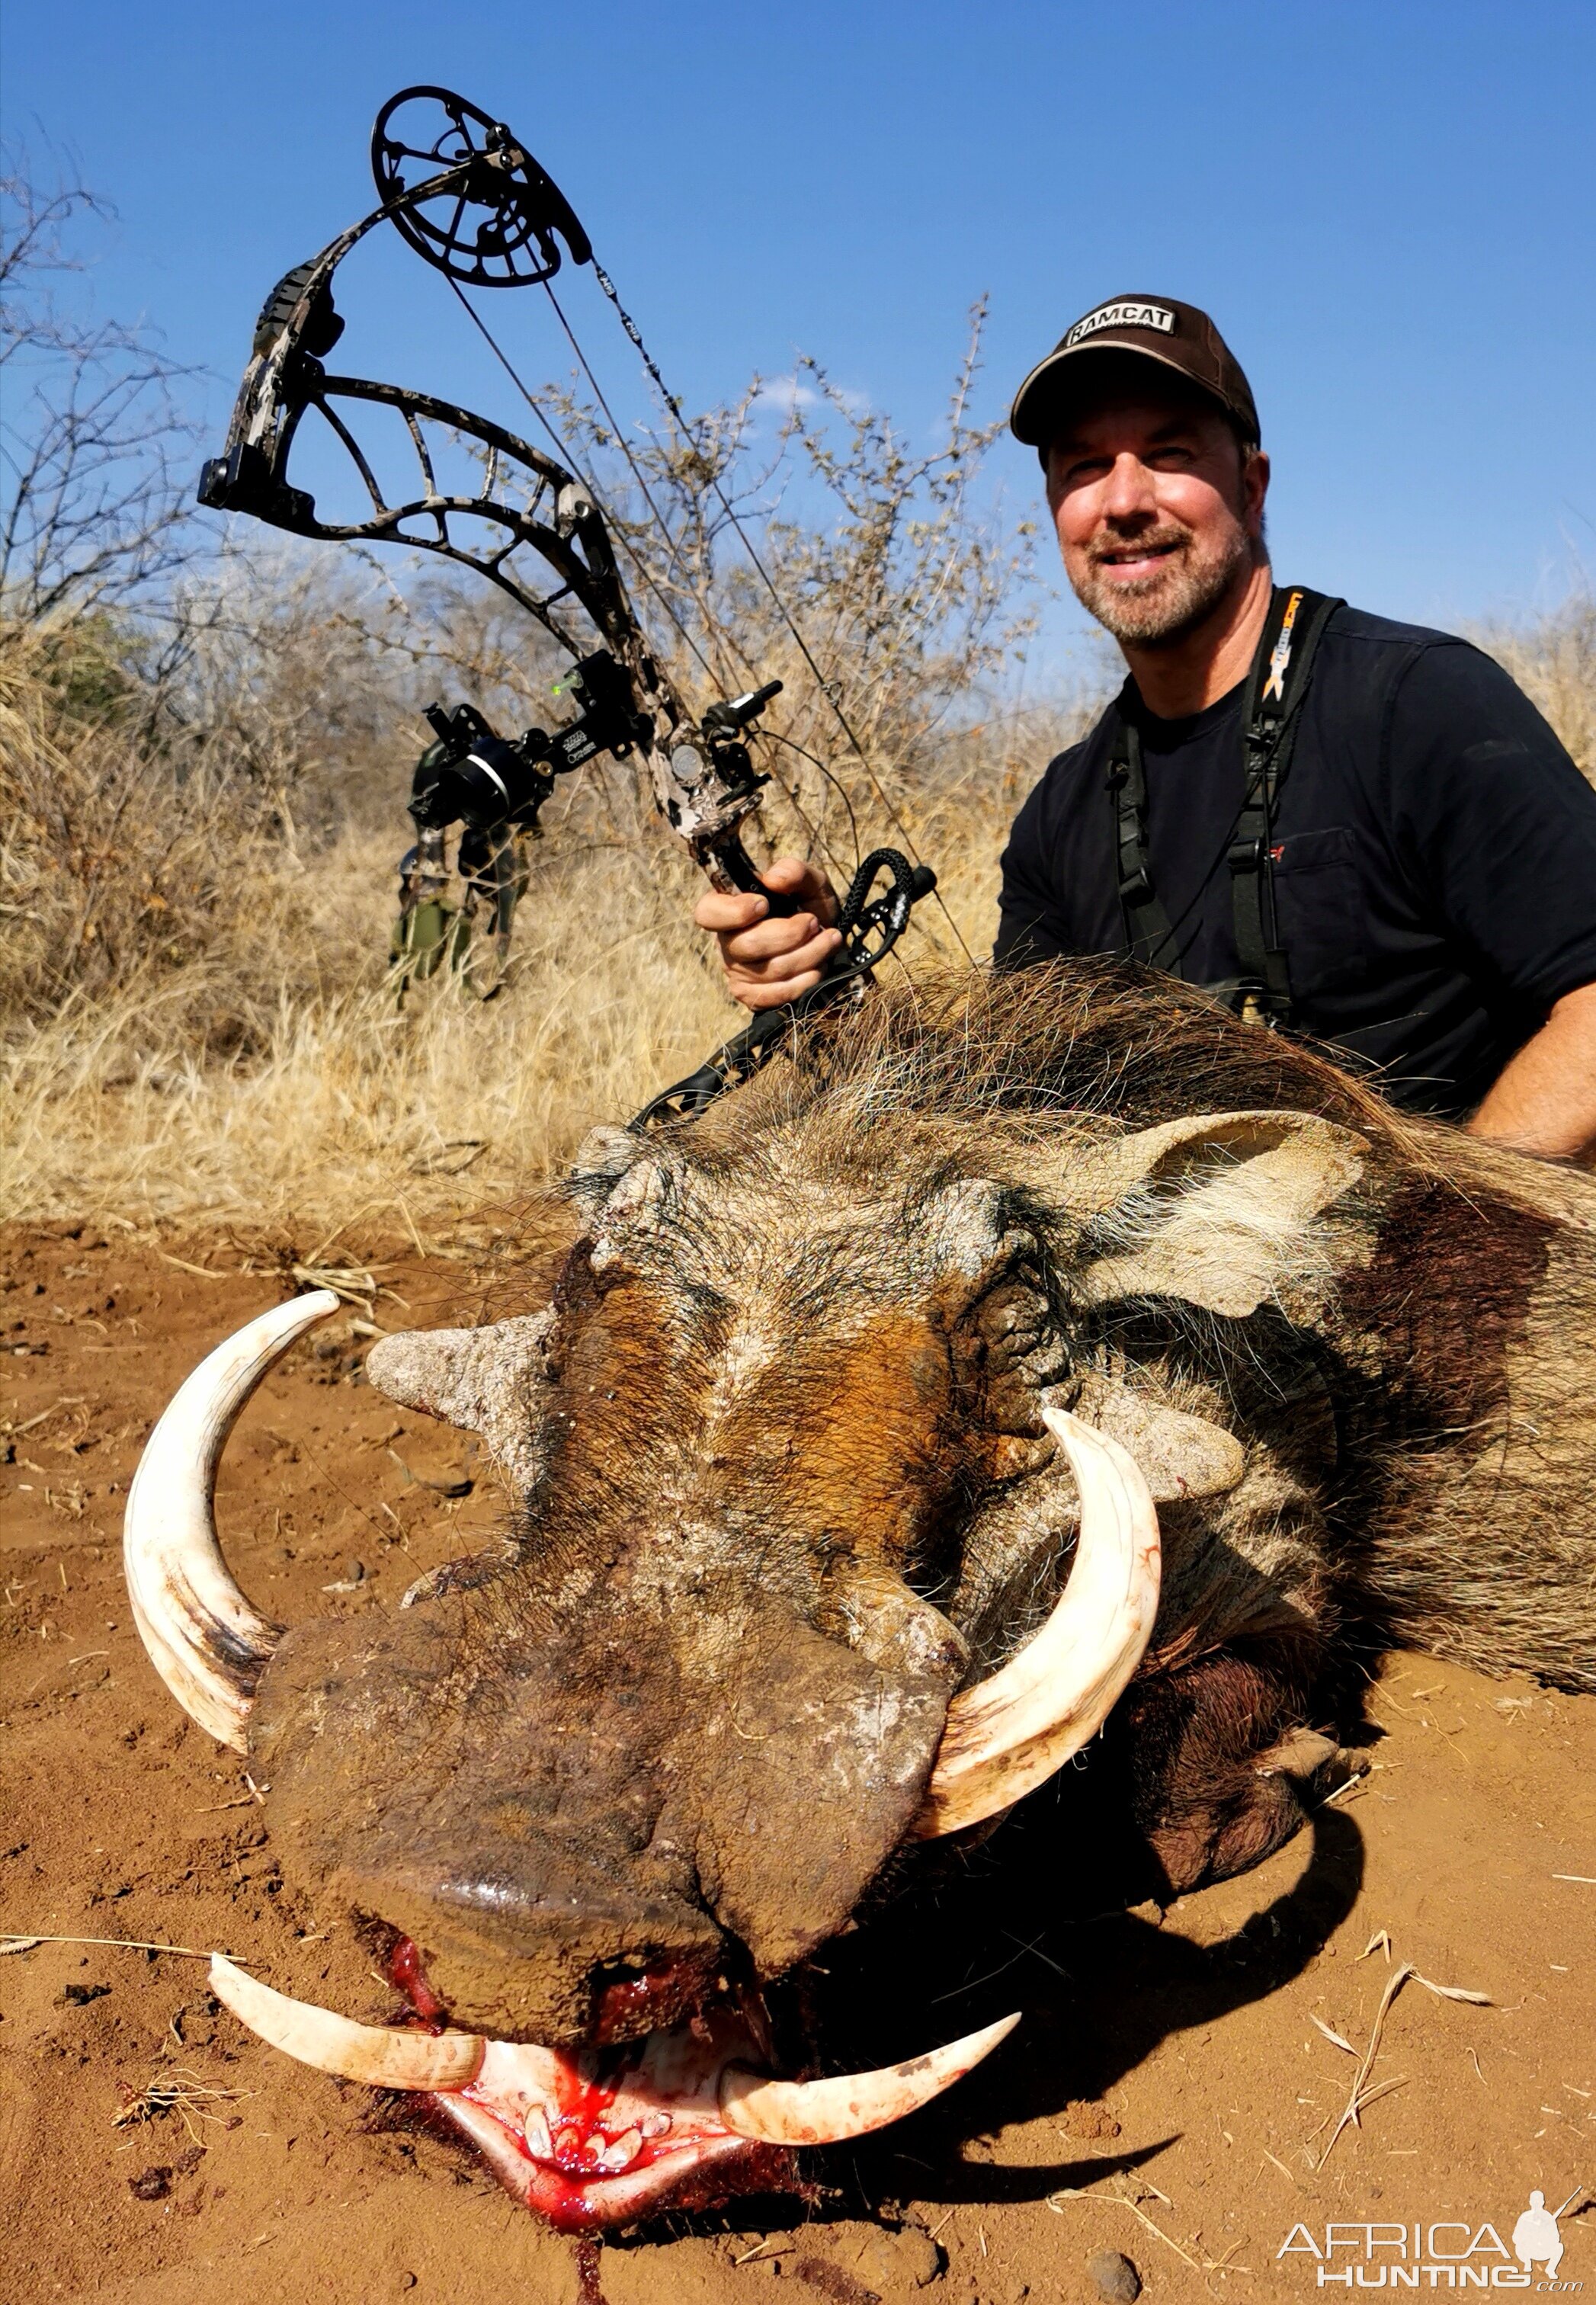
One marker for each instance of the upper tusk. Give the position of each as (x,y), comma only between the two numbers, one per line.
(825,2113)
(385,2056)
(1011,1733)
(205,1639)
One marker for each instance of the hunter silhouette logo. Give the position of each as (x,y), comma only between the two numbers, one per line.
(1535,2236)
(1453,2253)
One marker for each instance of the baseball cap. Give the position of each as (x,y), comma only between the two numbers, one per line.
(1155,327)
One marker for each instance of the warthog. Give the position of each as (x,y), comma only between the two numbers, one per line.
(1037,1350)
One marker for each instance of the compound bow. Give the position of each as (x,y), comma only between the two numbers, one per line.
(469,199)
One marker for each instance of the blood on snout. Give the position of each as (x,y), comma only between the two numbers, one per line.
(626,2006)
(406,1972)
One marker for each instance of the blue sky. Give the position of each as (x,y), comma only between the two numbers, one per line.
(1386,208)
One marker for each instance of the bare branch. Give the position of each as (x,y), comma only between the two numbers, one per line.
(95,451)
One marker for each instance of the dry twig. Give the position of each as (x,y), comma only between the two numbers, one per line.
(180,2090)
(1362,2095)
(1124,2201)
(10,1943)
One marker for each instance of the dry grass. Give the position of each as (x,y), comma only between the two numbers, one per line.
(200,831)
(342,1103)
(1365,2092)
(233,1052)
(1554,662)
(197,1023)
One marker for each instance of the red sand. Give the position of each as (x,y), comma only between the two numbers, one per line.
(1217,2091)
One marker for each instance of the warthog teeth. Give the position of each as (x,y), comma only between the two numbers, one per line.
(205,1639)
(828,2112)
(1017,1728)
(622,2152)
(382,2056)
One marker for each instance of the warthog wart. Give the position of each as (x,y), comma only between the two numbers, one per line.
(1037,1352)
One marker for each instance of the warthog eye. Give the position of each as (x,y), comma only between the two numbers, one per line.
(1008,1345)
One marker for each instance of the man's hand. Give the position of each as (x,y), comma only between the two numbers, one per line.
(1545,1101)
(768,961)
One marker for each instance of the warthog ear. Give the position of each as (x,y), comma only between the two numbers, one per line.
(488,1380)
(1221,1211)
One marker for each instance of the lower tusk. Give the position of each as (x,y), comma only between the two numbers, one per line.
(1012,1732)
(204,1637)
(384,2056)
(826,2112)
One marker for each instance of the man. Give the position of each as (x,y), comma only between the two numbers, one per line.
(1361,830)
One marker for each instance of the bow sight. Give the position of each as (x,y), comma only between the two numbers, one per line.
(471,774)
(467,196)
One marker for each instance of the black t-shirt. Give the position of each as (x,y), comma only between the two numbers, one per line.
(1434,847)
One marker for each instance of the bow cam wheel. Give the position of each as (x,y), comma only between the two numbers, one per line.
(492,222)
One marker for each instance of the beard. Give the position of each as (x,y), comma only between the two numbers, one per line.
(1166,605)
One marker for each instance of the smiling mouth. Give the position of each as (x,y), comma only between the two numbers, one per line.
(1128,563)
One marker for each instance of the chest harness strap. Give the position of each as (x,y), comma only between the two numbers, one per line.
(1271,712)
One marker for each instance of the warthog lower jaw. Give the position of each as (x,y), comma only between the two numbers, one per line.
(677,2118)
(604,2137)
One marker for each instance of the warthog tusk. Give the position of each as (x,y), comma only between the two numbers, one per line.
(1011,1733)
(205,1639)
(384,2056)
(825,2113)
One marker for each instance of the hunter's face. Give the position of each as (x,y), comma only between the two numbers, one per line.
(1158,509)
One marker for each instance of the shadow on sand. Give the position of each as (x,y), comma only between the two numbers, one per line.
(1021,1923)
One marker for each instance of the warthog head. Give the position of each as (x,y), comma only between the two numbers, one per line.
(837,1463)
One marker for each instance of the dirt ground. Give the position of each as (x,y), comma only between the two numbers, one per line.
(1173,2095)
